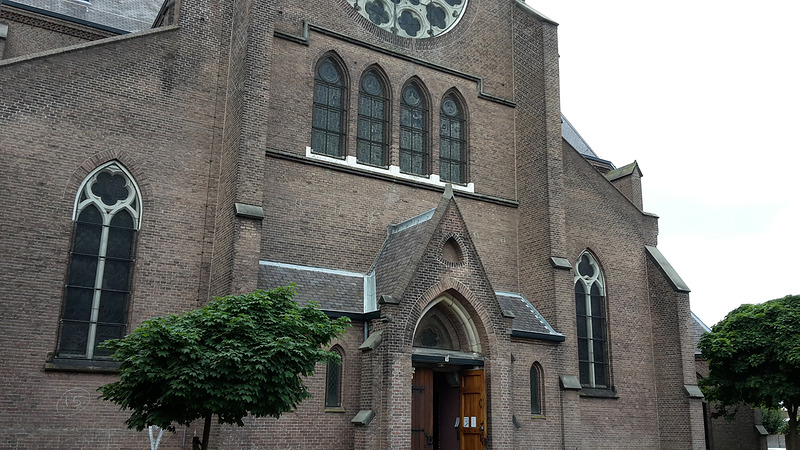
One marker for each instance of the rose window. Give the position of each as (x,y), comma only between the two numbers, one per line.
(412,18)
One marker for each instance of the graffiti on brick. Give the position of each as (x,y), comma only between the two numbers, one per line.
(73,401)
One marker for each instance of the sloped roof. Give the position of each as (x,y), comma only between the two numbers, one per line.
(343,291)
(393,270)
(571,135)
(573,138)
(404,248)
(402,243)
(698,329)
(116,15)
(527,8)
(623,171)
(334,290)
(666,269)
(528,322)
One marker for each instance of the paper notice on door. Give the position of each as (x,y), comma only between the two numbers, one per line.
(466,422)
(474,422)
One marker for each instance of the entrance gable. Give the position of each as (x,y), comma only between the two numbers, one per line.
(439,313)
(429,256)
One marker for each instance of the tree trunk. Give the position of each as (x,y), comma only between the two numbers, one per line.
(206,431)
(792,439)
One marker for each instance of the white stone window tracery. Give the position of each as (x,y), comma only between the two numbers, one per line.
(590,308)
(412,18)
(106,219)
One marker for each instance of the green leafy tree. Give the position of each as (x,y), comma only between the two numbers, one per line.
(773,421)
(754,358)
(238,355)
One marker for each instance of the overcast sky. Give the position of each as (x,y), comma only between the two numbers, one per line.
(705,96)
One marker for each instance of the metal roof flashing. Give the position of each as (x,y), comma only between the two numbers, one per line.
(527,8)
(666,269)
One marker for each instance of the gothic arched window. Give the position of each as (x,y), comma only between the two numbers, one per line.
(328,128)
(107,216)
(373,130)
(452,141)
(536,388)
(333,381)
(413,131)
(590,307)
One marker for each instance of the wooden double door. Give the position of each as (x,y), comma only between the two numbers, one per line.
(448,410)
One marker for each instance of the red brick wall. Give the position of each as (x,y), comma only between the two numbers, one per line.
(480,44)
(600,219)
(24,39)
(541,431)
(148,102)
(29,33)
(218,111)
(680,418)
(491,146)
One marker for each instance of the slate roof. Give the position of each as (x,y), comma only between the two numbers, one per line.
(573,138)
(623,171)
(334,290)
(698,328)
(526,318)
(571,135)
(342,291)
(403,242)
(121,15)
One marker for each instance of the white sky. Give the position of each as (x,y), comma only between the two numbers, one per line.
(704,94)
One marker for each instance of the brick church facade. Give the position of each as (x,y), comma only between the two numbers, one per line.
(404,163)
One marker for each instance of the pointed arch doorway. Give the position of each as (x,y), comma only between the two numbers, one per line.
(448,388)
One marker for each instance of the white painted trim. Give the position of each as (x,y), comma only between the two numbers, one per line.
(393,171)
(370,296)
(110,211)
(311,269)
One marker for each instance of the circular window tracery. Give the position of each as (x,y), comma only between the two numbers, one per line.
(436,330)
(412,18)
(328,72)
(449,107)
(371,85)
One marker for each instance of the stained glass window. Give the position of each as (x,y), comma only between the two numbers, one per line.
(452,142)
(593,364)
(413,131)
(327,135)
(101,262)
(372,141)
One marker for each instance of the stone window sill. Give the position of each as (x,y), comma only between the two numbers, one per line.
(81,365)
(598,393)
